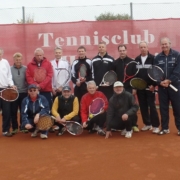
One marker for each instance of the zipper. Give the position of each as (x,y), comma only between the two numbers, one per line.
(166,69)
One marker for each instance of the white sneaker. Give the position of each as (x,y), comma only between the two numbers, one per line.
(56,128)
(43,136)
(123,132)
(155,130)
(128,134)
(146,128)
(34,134)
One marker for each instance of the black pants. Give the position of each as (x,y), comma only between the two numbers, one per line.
(118,123)
(15,105)
(99,120)
(6,114)
(107,91)
(134,117)
(148,108)
(48,96)
(75,118)
(165,96)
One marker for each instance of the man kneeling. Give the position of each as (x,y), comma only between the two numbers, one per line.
(65,108)
(122,107)
(33,106)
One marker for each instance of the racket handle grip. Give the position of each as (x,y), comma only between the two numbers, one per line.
(171,86)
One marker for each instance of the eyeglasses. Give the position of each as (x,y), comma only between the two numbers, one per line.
(32,90)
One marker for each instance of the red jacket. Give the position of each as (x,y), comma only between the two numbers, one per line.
(46,84)
(86,101)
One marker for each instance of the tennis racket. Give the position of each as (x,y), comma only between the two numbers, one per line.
(45,123)
(72,127)
(82,72)
(130,70)
(138,83)
(40,74)
(9,94)
(109,78)
(63,77)
(96,107)
(157,74)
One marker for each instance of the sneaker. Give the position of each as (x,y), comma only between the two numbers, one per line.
(7,134)
(34,134)
(101,132)
(128,134)
(61,131)
(123,132)
(15,131)
(56,128)
(164,131)
(155,130)
(24,131)
(146,128)
(115,130)
(43,136)
(135,129)
(51,130)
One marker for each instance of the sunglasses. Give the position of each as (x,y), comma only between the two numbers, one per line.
(31,90)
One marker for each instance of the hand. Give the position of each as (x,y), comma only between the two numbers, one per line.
(108,133)
(102,111)
(124,117)
(54,91)
(151,88)
(38,86)
(61,120)
(78,83)
(82,80)
(59,89)
(28,126)
(14,87)
(85,124)
(36,118)
(134,91)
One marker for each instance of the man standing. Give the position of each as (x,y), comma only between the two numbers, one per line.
(169,61)
(122,107)
(101,64)
(39,72)
(19,78)
(58,63)
(118,66)
(80,84)
(5,81)
(146,98)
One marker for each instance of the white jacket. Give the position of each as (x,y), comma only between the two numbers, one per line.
(62,63)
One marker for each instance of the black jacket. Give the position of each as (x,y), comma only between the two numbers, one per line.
(120,104)
(118,66)
(101,65)
(143,69)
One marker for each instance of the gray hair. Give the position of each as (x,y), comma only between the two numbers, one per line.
(38,49)
(166,39)
(91,83)
(143,42)
(58,47)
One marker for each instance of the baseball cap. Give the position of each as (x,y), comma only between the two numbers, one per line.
(66,88)
(118,83)
(32,86)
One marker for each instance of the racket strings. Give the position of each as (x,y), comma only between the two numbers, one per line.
(74,128)
(96,106)
(138,83)
(45,123)
(62,78)
(39,74)
(110,77)
(131,70)
(9,94)
(156,73)
(83,71)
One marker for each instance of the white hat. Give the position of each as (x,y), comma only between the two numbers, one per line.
(118,83)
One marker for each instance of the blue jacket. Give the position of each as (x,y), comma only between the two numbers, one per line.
(170,65)
(29,109)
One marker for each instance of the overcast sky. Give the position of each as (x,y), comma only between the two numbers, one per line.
(64,11)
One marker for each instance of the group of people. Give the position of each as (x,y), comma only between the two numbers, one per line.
(43,95)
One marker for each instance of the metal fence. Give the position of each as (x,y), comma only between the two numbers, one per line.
(137,11)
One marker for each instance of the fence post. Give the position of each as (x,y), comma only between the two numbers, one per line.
(23,15)
(131,10)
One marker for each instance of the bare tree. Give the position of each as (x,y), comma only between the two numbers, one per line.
(28,20)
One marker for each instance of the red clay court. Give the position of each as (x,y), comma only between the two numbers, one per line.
(145,156)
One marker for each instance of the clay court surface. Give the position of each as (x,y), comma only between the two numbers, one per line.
(145,156)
